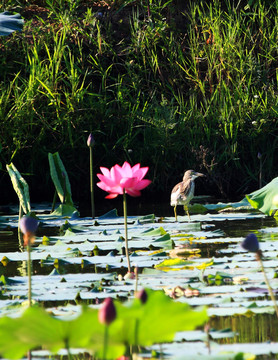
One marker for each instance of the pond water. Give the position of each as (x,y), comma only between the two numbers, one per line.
(68,269)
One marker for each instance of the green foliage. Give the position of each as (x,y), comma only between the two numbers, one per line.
(181,264)
(0,152)
(266,198)
(136,324)
(60,179)
(65,211)
(189,83)
(21,187)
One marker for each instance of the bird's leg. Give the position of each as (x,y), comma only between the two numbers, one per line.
(175,212)
(186,210)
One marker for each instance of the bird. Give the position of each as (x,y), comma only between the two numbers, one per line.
(183,192)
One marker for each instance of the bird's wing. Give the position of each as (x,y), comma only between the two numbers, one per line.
(187,187)
(176,188)
(175,194)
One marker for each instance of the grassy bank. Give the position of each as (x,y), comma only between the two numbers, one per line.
(170,86)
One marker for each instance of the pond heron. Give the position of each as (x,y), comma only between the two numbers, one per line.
(183,192)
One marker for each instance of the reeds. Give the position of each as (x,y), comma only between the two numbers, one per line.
(177,84)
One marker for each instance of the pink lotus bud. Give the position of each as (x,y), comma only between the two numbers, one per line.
(107,312)
(142,296)
(91,141)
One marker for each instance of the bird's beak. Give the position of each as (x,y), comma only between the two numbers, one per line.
(200,174)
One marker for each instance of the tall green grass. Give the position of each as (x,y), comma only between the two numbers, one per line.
(175,86)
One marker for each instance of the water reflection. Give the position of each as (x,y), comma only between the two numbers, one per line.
(254,329)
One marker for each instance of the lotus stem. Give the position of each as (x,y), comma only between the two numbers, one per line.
(207,328)
(20,212)
(136,279)
(260,173)
(92,182)
(64,188)
(68,349)
(126,236)
(259,258)
(105,342)
(29,269)
(54,201)
(136,331)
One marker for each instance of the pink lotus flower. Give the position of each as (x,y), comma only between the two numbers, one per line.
(125,178)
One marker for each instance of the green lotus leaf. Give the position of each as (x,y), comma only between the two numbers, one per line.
(10,23)
(157,320)
(60,178)
(154,232)
(266,198)
(180,264)
(64,210)
(21,187)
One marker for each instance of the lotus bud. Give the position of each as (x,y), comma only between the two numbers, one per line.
(91,141)
(28,224)
(107,312)
(142,296)
(250,243)
(129,275)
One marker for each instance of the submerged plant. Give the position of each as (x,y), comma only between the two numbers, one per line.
(121,181)
(251,244)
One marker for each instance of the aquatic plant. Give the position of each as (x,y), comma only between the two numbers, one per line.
(21,188)
(62,186)
(28,225)
(251,243)
(159,318)
(106,315)
(60,178)
(265,199)
(91,143)
(121,181)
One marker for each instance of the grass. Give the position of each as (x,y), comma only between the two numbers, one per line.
(173,87)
